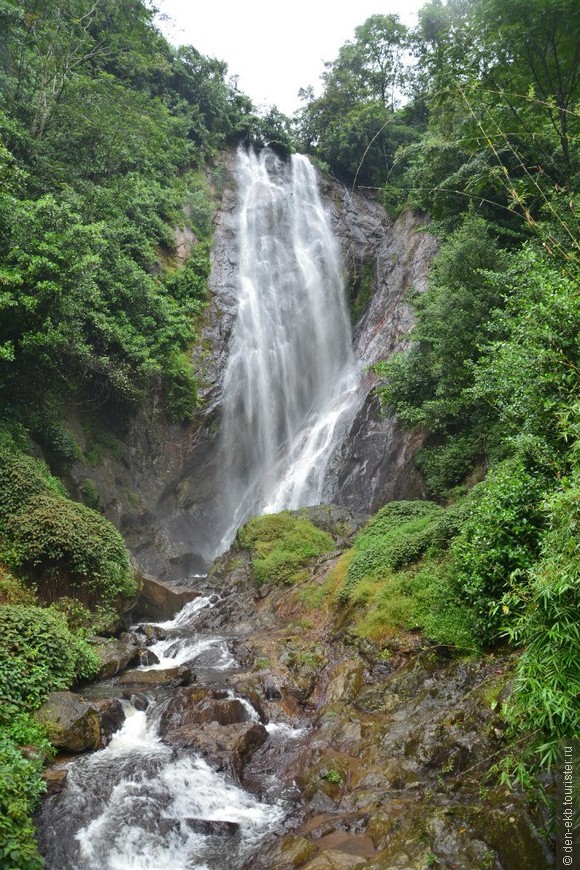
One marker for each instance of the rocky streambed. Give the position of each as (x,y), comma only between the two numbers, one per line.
(258,734)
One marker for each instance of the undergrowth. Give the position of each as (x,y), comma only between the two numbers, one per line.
(282,545)
(61,546)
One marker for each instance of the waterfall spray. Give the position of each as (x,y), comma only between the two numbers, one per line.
(291,379)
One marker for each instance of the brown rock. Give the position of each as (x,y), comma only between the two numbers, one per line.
(140,679)
(111,715)
(72,722)
(114,656)
(227,747)
(55,778)
(158,600)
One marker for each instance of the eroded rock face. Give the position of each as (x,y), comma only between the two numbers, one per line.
(158,600)
(375,465)
(161,485)
(217,726)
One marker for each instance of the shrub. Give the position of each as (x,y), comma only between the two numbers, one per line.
(12,591)
(398,535)
(61,546)
(282,545)
(64,546)
(542,608)
(38,655)
(499,539)
(21,785)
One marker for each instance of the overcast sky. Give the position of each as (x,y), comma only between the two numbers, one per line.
(274,47)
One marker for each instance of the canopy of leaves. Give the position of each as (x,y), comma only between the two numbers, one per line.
(105,131)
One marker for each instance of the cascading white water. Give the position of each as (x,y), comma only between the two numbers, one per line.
(141,804)
(290,383)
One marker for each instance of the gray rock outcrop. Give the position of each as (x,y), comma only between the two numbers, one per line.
(161,483)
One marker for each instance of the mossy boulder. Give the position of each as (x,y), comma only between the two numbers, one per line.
(282,546)
(73,723)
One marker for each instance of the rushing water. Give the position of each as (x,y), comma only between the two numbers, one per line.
(290,390)
(142,805)
(291,379)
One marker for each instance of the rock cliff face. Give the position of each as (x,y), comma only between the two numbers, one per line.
(375,463)
(161,485)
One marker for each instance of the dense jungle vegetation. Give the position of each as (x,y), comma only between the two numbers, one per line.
(486,142)
(110,139)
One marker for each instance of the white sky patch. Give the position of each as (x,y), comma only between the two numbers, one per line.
(274,48)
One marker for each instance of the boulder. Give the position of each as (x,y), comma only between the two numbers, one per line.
(55,778)
(111,715)
(177,676)
(160,601)
(114,655)
(73,723)
(226,747)
(200,706)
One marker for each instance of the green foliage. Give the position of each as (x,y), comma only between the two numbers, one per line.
(21,786)
(12,590)
(105,129)
(530,372)
(397,576)
(61,546)
(439,611)
(499,538)
(354,127)
(540,611)
(333,776)
(398,535)
(282,545)
(428,385)
(38,655)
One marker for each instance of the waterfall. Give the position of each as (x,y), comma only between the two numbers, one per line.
(290,385)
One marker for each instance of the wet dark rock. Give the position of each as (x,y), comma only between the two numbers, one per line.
(55,778)
(145,658)
(111,715)
(159,600)
(197,706)
(114,655)
(72,722)
(139,701)
(227,747)
(139,679)
(148,634)
(272,693)
(212,828)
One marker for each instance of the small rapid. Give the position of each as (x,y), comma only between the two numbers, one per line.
(140,804)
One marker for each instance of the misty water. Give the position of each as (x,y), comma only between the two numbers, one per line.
(290,386)
(290,391)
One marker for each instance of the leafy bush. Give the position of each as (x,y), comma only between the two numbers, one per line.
(39,655)
(439,611)
(429,385)
(282,545)
(541,610)
(21,785)
(12,590)
(398,535)
(60,545)
(499,539)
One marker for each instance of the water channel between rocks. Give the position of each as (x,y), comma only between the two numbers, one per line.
(144,803)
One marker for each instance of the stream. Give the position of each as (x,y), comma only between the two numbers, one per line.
(140,804)
(289,394)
